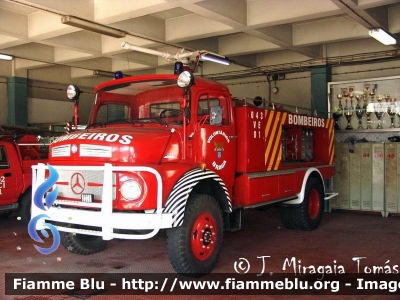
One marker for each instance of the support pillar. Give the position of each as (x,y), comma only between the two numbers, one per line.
(320,76)
(17,92)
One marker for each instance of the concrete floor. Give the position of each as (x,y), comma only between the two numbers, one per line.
(341,236)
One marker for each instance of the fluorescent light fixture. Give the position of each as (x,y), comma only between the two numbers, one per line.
(103,73)
(92,26)
(382,36)
(215,58)
(109,74)
(5,57)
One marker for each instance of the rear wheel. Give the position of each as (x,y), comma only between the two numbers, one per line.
(195,246)
(82,244)
(307,215)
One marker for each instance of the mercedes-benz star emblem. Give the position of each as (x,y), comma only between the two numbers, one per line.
(77,183)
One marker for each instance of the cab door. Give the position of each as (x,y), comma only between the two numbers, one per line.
(9,174)
(216,138)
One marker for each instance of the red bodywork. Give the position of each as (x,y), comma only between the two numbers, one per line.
(16,168)
(251,150)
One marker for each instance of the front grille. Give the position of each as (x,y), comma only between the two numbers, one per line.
(71,184)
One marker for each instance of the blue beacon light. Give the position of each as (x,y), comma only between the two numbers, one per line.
(118,75)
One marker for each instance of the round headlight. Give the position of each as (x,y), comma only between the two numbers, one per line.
(131,190)
(185,79)
(73,92)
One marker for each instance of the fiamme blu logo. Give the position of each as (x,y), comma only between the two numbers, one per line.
(38,202)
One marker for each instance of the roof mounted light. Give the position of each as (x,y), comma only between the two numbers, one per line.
(215,58)
(73,92)
(185,79)
(118,75)
(178,68)
(382,36)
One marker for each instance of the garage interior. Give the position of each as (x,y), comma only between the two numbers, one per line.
(301,55)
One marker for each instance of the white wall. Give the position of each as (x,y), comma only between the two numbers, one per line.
(49,111)
(47,101)
(294,92)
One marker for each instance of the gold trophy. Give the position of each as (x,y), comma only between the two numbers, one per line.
(348,112)
(391,110)
(372,92)
(379,111)
(359,111)
(365,106)
(338,111)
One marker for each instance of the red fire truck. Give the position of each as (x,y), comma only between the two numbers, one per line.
(17,155)
(178,153)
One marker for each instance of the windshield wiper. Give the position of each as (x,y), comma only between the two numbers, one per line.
(103,124)
(149,120)
(116,121)
(95,124)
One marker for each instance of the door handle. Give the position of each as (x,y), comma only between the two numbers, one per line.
(7,174)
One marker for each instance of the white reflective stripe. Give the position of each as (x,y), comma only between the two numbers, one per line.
(106,200)
(129,221)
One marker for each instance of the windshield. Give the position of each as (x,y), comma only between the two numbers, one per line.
(150,101)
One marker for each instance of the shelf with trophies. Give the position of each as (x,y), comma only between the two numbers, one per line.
(368,105)
(367,124)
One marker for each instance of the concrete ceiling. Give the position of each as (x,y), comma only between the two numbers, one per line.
(251,32)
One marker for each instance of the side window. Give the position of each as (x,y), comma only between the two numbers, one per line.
(4,164)
(206,101)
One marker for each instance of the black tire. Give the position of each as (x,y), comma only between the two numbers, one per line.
(5,213)
(25,207)
(202,226)
(307,215)
(287,218)
(82,244)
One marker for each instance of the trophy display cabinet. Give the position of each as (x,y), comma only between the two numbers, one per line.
(367,161)
(366,104)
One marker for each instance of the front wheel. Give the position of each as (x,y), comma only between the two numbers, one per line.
(307,215)
(25,207)
(194,247)
(82,244)
(5,213)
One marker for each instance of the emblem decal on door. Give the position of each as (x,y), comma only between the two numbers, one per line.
(218,147)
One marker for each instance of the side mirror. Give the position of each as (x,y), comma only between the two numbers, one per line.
(215,115)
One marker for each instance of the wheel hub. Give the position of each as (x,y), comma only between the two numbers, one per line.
(203,236)
(207,234)
(313,204)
